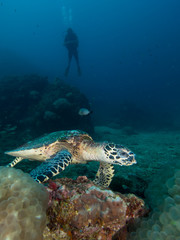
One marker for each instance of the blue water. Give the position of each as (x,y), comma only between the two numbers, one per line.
(129,50)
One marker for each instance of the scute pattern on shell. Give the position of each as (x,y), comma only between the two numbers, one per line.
(52,137)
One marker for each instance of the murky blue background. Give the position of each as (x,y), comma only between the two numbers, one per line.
(129,50)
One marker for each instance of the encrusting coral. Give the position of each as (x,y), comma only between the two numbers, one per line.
(164,221)
(23,204)
(81,210)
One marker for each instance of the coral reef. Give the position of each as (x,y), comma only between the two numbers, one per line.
(32,106)
(163,194)
(78,209)
(23,204)
(29,100)
(58,109)
(17,95)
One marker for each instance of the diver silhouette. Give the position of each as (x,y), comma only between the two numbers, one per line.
(71,43)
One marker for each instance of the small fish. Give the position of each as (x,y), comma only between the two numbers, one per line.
(84,112)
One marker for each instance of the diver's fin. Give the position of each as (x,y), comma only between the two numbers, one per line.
(51,167)
(13,163)
(104,174)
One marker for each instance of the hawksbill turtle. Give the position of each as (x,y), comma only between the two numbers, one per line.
(59,149)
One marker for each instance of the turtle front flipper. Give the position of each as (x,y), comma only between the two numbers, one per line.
(13,163)
(104,174)
(51,167)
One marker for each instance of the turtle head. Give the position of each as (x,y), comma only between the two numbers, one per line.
(117,154)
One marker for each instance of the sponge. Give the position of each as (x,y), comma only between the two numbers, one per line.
(23,204)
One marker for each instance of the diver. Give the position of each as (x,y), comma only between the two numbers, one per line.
(71,43)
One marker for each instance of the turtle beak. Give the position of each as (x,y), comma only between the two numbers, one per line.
(15,153)
(131,159)
(28,154)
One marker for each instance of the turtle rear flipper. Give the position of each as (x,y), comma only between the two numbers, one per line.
(104,174)
(51,167)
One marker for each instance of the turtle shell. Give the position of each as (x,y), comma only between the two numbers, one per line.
(61,136)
